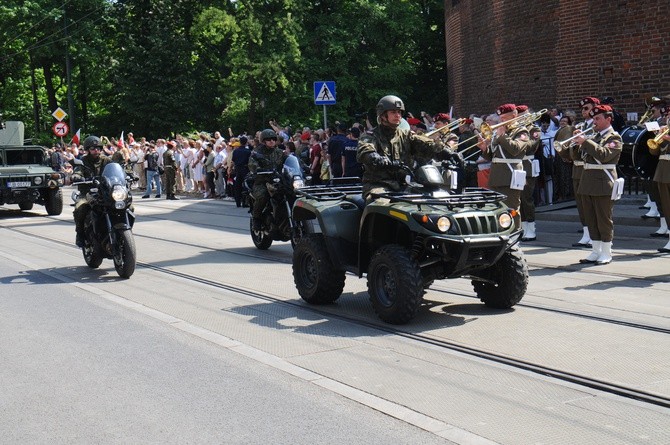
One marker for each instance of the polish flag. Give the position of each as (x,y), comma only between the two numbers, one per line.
(120,141)
(76,138)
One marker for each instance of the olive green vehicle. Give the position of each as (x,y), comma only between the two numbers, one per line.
(405,241)
(26,179)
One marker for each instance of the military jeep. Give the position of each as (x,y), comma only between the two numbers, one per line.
(26,178)
(404,241)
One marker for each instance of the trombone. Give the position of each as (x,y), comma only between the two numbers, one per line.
(486,130)
(562,145)
(451,126)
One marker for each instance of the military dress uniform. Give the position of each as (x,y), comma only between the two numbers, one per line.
(662,181)
(577,171)
(600,155)
(506,154)
(396,145)
(527,201)
(170,166)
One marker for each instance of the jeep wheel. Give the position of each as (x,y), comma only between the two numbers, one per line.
(26,205)
(301,229)
(317,280)
(506,280)
(395,284)
(261,239)
(54,202)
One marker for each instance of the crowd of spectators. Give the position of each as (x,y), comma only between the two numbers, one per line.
(207,169)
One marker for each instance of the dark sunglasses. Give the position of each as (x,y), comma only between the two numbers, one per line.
(95,148)
(270,139)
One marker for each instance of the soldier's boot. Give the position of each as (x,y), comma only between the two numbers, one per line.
(605,256)
(663,230)
(666,248)
(653,211)
(529,232)
(524,227)
(595,253)
(586,239)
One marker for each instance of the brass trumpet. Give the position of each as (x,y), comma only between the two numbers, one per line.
(562,145)
(655,143)
(451,126)
(525,119)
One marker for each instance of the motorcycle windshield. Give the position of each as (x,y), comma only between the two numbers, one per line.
(113,174)
(292,166)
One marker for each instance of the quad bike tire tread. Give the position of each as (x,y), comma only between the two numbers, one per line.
(315,276)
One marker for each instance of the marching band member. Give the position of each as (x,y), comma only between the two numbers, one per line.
(600,155)
(662,175)
(527,201)
(587,105)
(507,149)
(658,115)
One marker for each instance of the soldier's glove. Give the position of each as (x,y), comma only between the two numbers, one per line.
(380,161)
(76,178)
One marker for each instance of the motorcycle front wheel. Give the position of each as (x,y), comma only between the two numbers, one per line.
(124,256)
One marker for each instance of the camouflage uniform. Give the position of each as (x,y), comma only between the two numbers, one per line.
(170,166)
(270,159)
(91,168)
(396,145)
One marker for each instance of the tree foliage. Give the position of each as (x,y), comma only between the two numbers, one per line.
(158,67)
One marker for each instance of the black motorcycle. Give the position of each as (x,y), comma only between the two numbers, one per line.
(276,221)
(108,225)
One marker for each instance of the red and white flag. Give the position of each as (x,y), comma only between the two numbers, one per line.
(120,143)
(76,138)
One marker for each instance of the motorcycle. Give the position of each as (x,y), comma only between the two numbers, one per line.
(108,225)
(276,221)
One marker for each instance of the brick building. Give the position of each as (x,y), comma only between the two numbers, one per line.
(554,52)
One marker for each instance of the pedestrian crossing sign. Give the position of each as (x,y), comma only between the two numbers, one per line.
(324,92)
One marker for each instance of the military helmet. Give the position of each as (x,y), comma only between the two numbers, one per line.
(268,133)
(92,141)
(389,102)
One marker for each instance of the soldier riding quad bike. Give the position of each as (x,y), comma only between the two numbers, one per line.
(404,241)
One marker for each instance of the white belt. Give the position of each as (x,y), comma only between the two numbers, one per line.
(664,157)
(579,163)
(528,158)
(599,166)
(505,161)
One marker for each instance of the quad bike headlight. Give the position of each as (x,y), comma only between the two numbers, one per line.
(443,224)
(38,180)
(505,220)
(119,193)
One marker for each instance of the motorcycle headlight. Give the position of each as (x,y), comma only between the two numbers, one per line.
(505,220)
(38,180)
(298,183)
(119,193)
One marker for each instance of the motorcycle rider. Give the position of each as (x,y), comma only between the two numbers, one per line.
(93,165)
(266,157)
(388,144)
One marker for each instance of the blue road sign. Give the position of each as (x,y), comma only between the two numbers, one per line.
(324,92)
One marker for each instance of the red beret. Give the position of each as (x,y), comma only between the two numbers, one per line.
(467,121)
(522,108)
(305,136)
(171,144)
(442,117)
(600,109)
(505,108)
(589,100)
(413,121)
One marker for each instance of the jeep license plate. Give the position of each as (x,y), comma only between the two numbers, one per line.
(14,185)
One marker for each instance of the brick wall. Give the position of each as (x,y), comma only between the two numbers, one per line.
(554,52)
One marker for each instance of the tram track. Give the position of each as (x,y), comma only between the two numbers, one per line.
(534,306)
(482,354)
